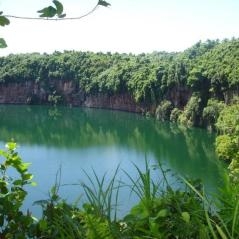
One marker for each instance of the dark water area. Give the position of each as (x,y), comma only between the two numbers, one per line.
(77,139)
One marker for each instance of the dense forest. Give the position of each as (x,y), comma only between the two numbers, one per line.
(196,87)
(182,86)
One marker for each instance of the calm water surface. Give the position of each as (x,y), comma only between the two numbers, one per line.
(78,139)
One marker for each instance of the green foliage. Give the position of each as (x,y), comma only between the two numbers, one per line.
(224,220)
(172,73)
(93,220)
(59,9)
(175,114)
(3,43)
(219,67)
(211,112)
(102,198)
(59,220)
(93,73)
(144,187)
(51,11)
(99,227)
(54,99)
(228,121)
(226,147)
(164,213)
(3,20)
(227,144)
(103,3)
(14,176)
(191,114)
(234,169)
(203,76)
(163,111)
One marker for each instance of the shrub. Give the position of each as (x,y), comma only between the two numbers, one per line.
(211,112)
(226,147)
(175,113)
(163,110)
(165,213)
(14,223)
(191,115)
(227,144)
(228,120)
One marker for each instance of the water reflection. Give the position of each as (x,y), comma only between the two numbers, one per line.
(186,151)
(85,138)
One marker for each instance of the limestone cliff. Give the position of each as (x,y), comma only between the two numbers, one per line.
(35,93)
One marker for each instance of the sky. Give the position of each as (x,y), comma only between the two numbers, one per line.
(134,26)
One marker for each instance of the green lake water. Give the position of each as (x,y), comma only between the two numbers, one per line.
(76,139)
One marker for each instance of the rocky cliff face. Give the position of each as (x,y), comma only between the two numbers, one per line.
(118,102)
(71,94)
(18,93)
(179,96)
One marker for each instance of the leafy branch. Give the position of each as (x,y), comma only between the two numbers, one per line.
(53,12)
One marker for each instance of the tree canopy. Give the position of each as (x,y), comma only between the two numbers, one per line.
(207,70)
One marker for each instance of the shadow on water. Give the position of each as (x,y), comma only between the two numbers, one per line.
(63,133)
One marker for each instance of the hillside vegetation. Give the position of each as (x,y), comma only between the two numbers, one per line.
(199,77)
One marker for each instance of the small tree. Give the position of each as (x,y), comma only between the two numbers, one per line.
(163,111)
(14,176)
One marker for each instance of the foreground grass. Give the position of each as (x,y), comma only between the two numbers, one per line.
(162,212)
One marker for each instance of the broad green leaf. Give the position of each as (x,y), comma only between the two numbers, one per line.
(48,12)
(103,3)
(59,7)
(24,166)
(162,213)
(11,146)
(27,176)
(186,217)
(43,225)
(18,182)
(4,21)
(154,227)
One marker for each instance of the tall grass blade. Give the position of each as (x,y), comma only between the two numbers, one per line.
(209,221)
(101,194)
(210,225)
(143,187)
(194,189)
(135,185)
(221,233)
(235,218)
